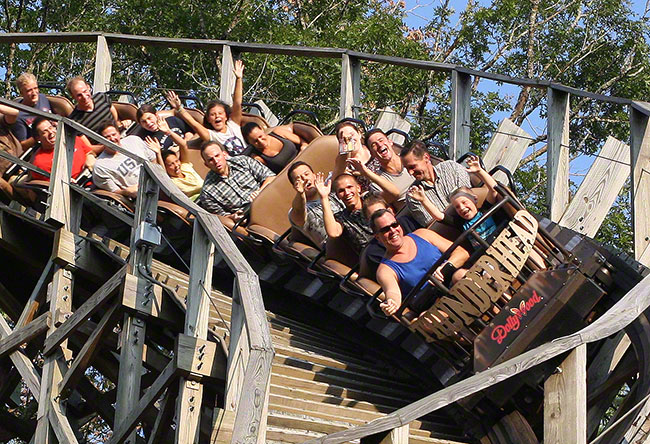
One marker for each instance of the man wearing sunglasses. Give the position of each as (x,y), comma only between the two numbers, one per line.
(409,258)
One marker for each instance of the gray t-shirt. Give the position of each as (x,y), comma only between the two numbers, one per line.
(314,227)
(449,176)
(116,172)
(402,181)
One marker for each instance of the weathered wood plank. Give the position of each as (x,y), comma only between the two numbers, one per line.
(640,167)
(164,418)
(250,417)
(565,401)
(599,189)
(124,427)
(22,363)
(103,66)
(83,313)
(507,146)
(31,307)
(557,154)
(350,86)
(389,119)
(461,96)
(84,356)
(399,435)
(227,75)
(61,425)
(618,317)
(238,353)
(25,334)
(248,288)
(58,202)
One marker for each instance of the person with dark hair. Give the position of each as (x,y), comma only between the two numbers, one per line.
(177,166)
(436,182)
(44,133)
(221,123)
(114,171)
(349,222)
(306,213)
(408,259)
(354,158)
(147,117)
(276,149)
(372,255)
(20,121)
(232,183)
(391,168)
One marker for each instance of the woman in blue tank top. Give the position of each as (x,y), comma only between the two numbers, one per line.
(408,258)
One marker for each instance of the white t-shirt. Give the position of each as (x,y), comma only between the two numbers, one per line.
(116,172)
(232,139)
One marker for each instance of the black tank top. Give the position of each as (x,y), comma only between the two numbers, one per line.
(279,161)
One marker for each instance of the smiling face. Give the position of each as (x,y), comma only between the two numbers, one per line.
(389,232)
(304,173)
(149,121)
(421,169)
(29,92)
(381,147)
(348,190)
(82,94)
(173,166)
(258,138)
(465,205)
(214,158)
(217,117)
(46,134)
(111,133)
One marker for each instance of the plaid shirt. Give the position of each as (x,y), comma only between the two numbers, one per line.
(449,176)
(355,228)
(226,195)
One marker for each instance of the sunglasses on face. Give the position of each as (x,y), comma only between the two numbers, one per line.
(387,228)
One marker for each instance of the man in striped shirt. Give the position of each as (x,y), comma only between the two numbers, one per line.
(437,181)
(92,109)
(231,183)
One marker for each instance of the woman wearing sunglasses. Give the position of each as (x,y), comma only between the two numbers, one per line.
(409,258)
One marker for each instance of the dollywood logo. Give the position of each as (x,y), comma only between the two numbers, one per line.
(513,322)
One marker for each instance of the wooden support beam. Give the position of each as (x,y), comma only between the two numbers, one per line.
(134,328)
(227,89)
(58,202)
(193,349)
(25,334)
(507,146)
(350,86)
(22,363)
(143,298)
(125,427)
(84,356)
(399,435)
(60,424)
(34,301)
(165,416)
(8,303)
(557,154)
(565,401)
(461,96)
(83,313)
(599,189)
(640,168)
(238,352)
(222,424)
(103,66)
(197,358)
(60,301)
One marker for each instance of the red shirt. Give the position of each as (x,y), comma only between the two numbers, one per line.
(44,159)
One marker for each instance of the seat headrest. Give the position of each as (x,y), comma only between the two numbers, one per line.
(247,117)
(126,111)
(60,105)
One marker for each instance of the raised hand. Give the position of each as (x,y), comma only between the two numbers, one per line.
(322,188)
(239,69)
(417,193)
(299,186)
(163,125)
(153,144)
(473,164)
(356,166)
(173,100)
